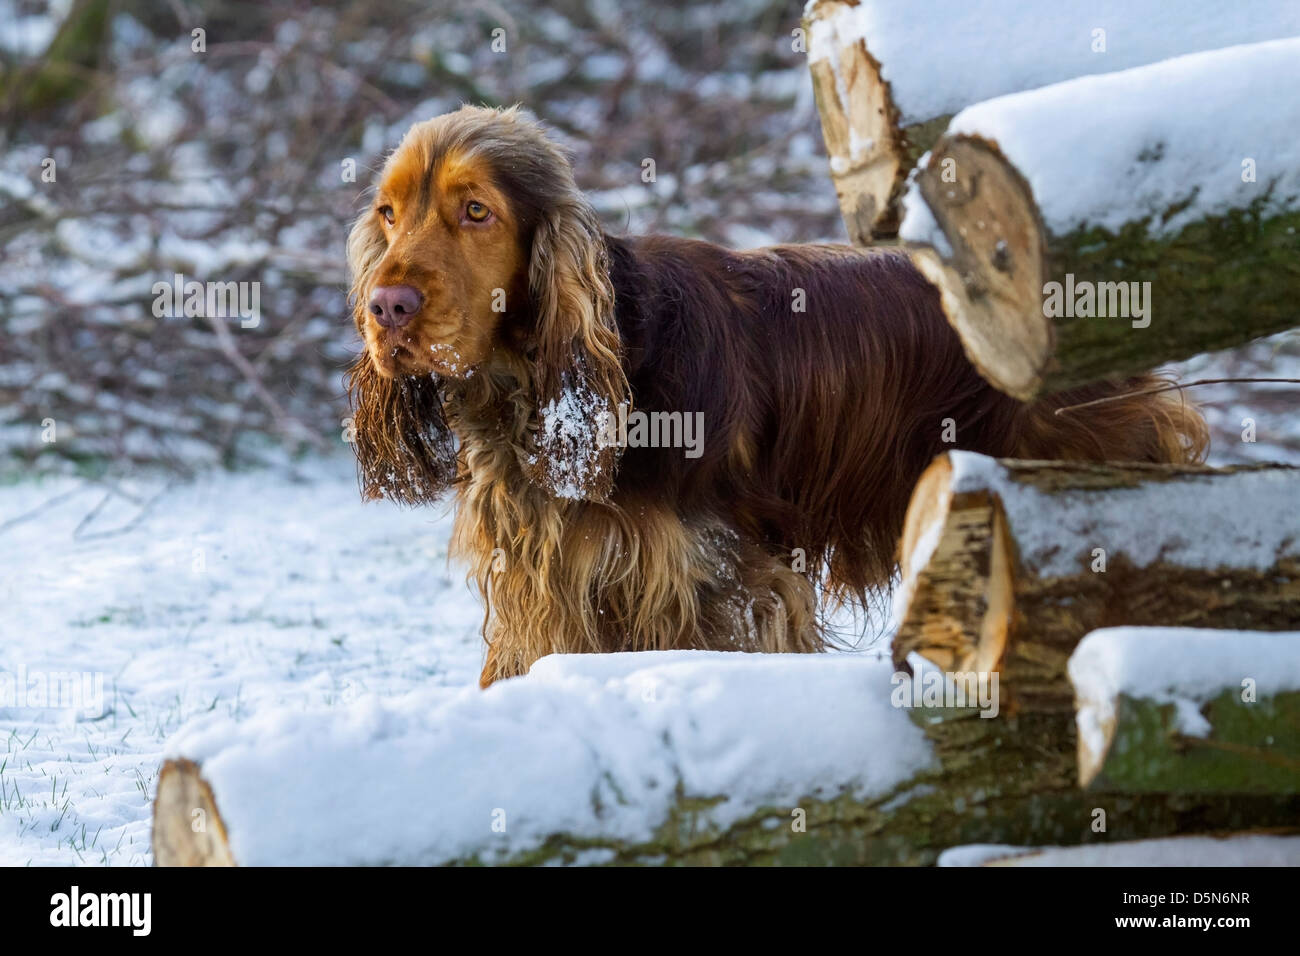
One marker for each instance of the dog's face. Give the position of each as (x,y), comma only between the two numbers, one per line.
(453,265)
(480,250)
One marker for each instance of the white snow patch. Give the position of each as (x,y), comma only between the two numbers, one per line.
(948,54)
(1192,664)
(977,854)
(570,434)
(1048,527)
(227,596)
(1182,666)
(919,224)
(1104,150)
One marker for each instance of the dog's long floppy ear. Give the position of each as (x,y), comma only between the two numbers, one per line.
(405,451)
(578,371)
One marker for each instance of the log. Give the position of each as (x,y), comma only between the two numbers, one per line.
(1188,710)
(655,758)
(998,559)
(1065,253)
(623,757)
(888,78)
(1002,561)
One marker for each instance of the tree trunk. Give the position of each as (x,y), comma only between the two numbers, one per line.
(865,139)
(1008,564)
(187,829)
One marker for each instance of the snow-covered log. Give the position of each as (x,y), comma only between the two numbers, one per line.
(1102,226)
(593,758)
(889,75)
(1006,566)
(660,757)
(1188,710)
(1239,849)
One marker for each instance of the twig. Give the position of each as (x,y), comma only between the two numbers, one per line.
(140,515)
(289,426)
(41,508)
(1170,388)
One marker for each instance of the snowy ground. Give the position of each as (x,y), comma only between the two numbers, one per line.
(234,593)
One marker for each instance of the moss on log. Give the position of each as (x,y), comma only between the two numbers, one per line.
(1249,747)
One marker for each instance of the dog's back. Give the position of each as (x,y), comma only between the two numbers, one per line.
(828,379)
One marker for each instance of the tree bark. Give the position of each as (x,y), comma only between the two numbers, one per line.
(1253,749)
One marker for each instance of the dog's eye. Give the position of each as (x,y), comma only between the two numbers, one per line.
(387,213)
(477,212)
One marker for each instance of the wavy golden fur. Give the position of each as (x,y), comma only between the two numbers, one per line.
(503,327)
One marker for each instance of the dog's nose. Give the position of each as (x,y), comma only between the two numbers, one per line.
(395,305)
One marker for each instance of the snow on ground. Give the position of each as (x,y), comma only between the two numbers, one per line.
(227,596)
(242,592)
(1250,422)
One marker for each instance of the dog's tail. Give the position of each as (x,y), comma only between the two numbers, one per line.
(1130,426)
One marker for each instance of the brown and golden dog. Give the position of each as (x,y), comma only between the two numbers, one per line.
(504,330)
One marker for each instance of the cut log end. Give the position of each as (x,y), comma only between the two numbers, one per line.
(991,284)
(1095,720)
(868,152)
(187,829)
(956,571)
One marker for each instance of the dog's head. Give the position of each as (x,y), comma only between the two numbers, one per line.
(477,254)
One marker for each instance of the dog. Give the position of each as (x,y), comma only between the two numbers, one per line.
(794,395)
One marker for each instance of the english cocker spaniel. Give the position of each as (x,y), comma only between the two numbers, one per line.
(657,442)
